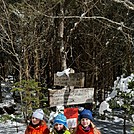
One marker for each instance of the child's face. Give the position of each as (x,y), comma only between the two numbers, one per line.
(85,122)
(35,121)
(58,127)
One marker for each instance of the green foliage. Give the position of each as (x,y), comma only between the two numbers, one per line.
(4,118)
(30,94)
(132,129)
(113,104)
(123,101)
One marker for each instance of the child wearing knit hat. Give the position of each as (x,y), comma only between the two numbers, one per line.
(86,125)
(60,125)
(37,124)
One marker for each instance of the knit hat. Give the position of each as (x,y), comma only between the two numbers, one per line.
(60,119)
(39,114)
(86,114)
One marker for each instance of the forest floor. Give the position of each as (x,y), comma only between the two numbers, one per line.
(105,126)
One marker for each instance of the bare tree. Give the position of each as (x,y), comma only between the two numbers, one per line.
(95,37)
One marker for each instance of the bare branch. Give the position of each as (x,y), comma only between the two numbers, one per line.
(126,3)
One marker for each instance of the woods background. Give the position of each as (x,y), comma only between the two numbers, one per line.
(40,37)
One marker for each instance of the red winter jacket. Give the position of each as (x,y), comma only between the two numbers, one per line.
(42,129)
(93,130)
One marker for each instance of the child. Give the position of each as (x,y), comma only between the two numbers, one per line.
(37,124)
(60,125)
(86,125)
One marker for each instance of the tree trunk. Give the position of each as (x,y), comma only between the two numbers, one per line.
(28,104)
(124,125)
(61,35)
(0,92)
(36,71)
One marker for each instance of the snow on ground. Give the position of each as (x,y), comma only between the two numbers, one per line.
(10,127)
(105,126)
(113,127)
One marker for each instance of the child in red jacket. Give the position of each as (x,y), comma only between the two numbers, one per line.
(86,125)
(37,124)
